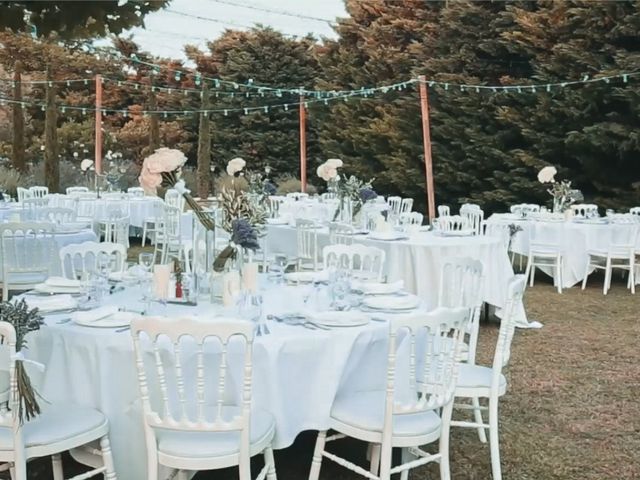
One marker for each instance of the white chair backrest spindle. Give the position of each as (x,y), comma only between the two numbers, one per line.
(364,262)
(406,205)
(173,199)
(340,233)
(275,202)
(39,192)
(307,242)
(635,211)
(584,210)
(79,260)
(76,190)
(451,223)
(444,211)
(23,194)
(515,292)
(176,362)
(136,191)
(394,204)
(474,218)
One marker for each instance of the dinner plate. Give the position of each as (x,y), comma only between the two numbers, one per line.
(377,288)
(392,303)
(456,233)
(306,277)
(340,319)
(388,236)
(54,289)
(104,318)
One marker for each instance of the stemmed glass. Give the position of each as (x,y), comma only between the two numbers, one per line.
(146,261)
(278,267)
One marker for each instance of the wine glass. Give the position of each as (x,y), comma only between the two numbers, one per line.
(146,261)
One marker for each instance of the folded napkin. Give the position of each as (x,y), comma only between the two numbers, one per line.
(376,288)
(52,303)
(62,282)
(95,314)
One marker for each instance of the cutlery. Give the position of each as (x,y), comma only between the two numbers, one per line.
(123,329)
(64,320)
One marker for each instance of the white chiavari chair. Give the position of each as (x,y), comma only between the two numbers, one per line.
(79,259)
(57,429)
(76,190)
(444,211)
(451,223)
(168,241)
(307,243)
(474,218)
(394,204)
(23,194)
(341,233)
(275,201)
(39,192)
(546,251)
(466,207)
(478,382)
(116,230)
(152,224)
(364,262)
(406,205)
(173,198)
(620,254)
(57,215)
(411,221)
(26,250)
(328,196)
(86,210)
(195,418)
(585,210)
(379,417)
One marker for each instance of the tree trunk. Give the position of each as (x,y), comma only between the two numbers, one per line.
(204,146)
(154,125)
(18,153)
(51,161)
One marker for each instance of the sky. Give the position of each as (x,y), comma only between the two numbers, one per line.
(166,31)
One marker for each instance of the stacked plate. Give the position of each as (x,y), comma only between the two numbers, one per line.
(53,285)
(387,303)
(307,277)
(388,236)
(376,288)
(52,304)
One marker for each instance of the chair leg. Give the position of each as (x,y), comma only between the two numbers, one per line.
(477,414)
(182,475)
(316,463)
(607,277)
(406,457)
(559,274)
(144,233)
(374,464)
(493,439)
(527,271)
(271,464)
(107,459)
(586,273)
(632,278)
(56,466)
(19,471)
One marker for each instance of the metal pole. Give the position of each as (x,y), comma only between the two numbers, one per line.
(303,145)
(426,139)
(98,139)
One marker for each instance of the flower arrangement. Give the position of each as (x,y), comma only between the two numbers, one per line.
(163,168)
(244,214)
(563,195)
(24,321)
(329,170)
(235,166)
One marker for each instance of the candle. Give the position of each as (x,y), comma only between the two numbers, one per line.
(161,277)
(230,288)
(250,277)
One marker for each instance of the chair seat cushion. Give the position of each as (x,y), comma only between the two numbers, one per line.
(187,444)
(55,424)
(365,410)
(477,376)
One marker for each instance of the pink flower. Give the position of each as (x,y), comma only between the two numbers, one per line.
(164,160)
(334,163)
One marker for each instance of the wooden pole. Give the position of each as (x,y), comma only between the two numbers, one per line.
(18,150)
(51,159)
(426,140)
(303,145)
(98,142)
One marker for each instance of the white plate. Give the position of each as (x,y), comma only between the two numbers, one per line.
(340,319)
(376,288)
(51,304)
(456,233)
(62,282)
(118,319)
(388,236)
(408,302)
(53,289)
(306,277)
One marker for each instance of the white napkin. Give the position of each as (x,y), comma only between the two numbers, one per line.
(376,288)
(62,282)
(95,314)
(52,303)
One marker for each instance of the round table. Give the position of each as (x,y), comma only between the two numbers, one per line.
(418,260)
(576,237)
(297,371)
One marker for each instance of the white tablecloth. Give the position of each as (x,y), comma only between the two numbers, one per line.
(62,239)
(575,239)
(418,260)
(297,372)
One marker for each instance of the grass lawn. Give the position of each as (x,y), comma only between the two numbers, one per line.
(571,410)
